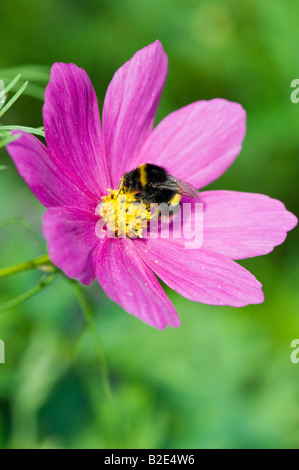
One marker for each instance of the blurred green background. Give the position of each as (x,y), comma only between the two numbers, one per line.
(224,378)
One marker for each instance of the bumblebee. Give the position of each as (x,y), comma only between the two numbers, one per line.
(152,184)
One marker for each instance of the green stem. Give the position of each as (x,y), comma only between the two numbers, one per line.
(96,337)
(44,282)
(41,261)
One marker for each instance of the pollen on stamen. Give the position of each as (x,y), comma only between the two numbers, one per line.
(123,214)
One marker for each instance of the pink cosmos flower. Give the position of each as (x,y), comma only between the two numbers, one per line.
(196,143)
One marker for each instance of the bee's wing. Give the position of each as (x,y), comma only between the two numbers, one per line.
(184,188)
(180,186)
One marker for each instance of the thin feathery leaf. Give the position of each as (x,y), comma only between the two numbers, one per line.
(13,99)
(30,130)
(33,90)
(38,77)
(9,87)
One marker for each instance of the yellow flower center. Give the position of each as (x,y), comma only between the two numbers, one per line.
(123,214)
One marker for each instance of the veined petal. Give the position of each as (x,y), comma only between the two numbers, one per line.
(73,128)
(130,107)
(241,225)
(128,281)
(72,242)
(200,275)
(197,143)
(49,184)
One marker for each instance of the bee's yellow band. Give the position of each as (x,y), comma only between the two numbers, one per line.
(143,175)
(176,199)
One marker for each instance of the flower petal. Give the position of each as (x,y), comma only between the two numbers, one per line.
(72,242)
(197,143)
(128,281)
(73,128)
(200,275)
(130,106)
(49,184)
(241,225)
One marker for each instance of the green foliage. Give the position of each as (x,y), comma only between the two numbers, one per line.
(5,131)
(36,76)
(224,378)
